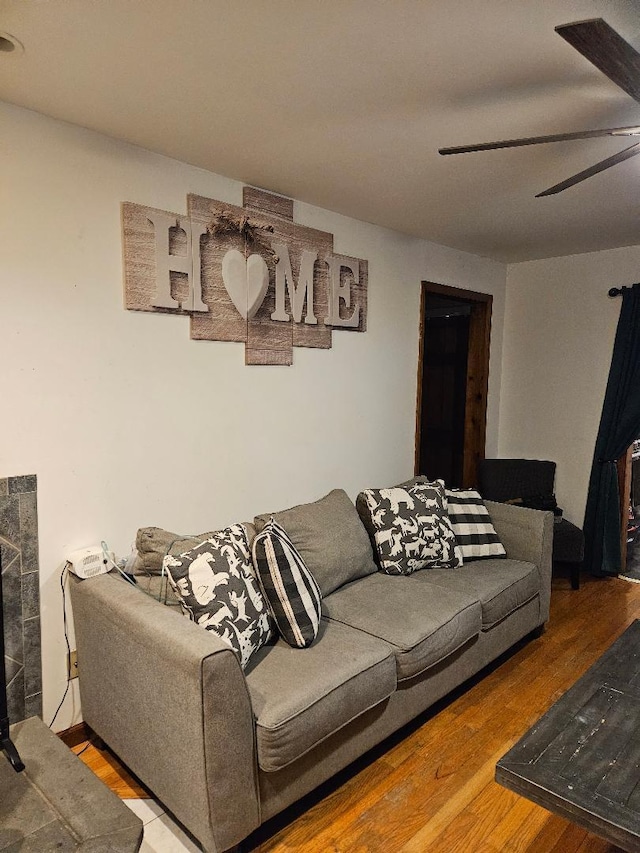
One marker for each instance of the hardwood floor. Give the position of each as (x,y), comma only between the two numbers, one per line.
(431,788)
(107,768)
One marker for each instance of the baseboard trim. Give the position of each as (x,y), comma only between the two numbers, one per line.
(75,735)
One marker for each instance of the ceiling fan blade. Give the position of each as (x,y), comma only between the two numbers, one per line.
(625,154)
(608,51)
(633,130)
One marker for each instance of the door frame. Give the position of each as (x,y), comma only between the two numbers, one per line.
(624,487)
(477,375)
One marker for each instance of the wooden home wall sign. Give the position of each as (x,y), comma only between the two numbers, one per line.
(246,274)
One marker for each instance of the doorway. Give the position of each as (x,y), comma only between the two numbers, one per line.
(453,373)
(629,487)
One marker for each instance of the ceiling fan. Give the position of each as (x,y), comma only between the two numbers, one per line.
(609,52)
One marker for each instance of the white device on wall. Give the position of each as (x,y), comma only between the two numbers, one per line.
(88,562)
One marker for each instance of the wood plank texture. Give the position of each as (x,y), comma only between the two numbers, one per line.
(222,322)
(263,333)
(598,42)
(110,771)
(247,274)
(282,356)
(582,758)
(264,336)
(318,336)
(475,420)
(431,788)
(139,259)
(267,202)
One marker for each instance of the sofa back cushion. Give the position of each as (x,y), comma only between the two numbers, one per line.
(291,591)
(330,538)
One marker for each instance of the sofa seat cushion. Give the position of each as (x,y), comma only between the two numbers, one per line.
(502,586)
(301,696)
(421,623)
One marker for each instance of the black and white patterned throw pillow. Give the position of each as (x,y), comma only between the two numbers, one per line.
(410,527)
(217,589)
(291,590)
(473,527)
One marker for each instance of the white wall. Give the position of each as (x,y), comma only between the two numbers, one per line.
(127,422)
(559,331)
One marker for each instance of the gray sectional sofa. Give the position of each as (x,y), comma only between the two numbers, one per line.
(226,749)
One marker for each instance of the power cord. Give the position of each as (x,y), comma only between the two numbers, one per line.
(85,747)
(108,559)
(106,555)
(63,574)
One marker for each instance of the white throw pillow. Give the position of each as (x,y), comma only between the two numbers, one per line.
(217,589)
(410,527)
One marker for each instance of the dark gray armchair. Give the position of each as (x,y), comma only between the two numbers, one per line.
(530,483)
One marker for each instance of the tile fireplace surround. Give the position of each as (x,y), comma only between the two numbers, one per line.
(21,594)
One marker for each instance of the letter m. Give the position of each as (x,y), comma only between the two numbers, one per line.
(297,293)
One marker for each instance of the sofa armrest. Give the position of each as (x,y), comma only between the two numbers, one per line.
(171,700)
(527,534)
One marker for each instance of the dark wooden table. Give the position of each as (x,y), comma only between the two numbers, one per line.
(581,760)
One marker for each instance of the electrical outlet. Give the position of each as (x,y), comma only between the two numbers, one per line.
(72,664)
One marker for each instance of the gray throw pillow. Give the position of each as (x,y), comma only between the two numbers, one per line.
(154,543)
(330,538)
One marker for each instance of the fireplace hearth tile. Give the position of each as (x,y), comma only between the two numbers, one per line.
(12,668)
(12,609)
(21,593)
(8,553)
(57,803)
(13,623)
(19,485)
(32,662)
(28,532)
(30,595)
(15,697)
(33,706)
(10,519)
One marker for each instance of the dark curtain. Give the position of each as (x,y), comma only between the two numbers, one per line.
(619,426)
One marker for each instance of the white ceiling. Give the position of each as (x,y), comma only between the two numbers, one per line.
(344,103)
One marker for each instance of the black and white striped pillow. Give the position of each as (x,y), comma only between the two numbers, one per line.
(471,522)
(291,590)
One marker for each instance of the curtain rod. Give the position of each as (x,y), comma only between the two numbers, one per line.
(617,291)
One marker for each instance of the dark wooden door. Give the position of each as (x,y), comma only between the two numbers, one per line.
(444,397)
(452,383)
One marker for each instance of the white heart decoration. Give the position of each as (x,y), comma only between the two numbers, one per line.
(246,281)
